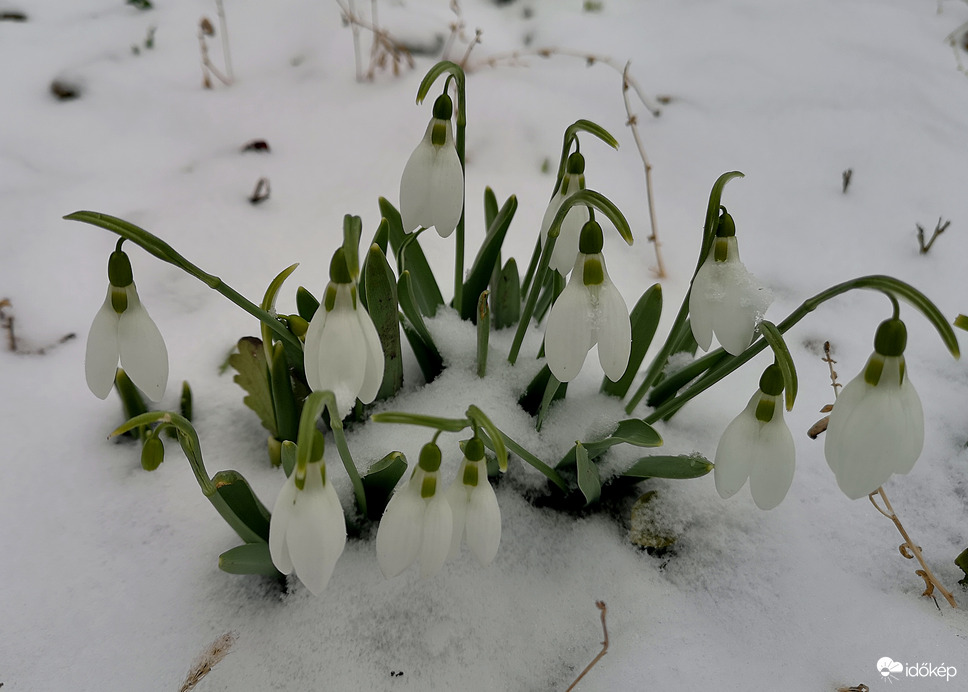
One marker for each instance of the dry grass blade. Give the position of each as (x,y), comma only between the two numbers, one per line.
(601,606)
(210,658)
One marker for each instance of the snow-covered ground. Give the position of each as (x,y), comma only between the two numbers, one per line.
(108,575)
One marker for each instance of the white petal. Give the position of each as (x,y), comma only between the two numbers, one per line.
(279,525)
(373,373)
(401,529)
(734,454)
(873,432)
(415,192)
(316,533)
(700,305)
(342,353)
(614,330)
(483,522)
(568,334)
(437,531)
(734,321)
(446,187)
(773,466)
(457,496)
(311,348)
(101,358)
(143,353)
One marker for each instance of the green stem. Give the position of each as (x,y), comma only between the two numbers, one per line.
(166,253)
(877,282)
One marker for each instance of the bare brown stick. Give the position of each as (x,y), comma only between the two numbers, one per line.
(516,58)
(632,122)
(470,47)
(355,29)
(910,550)
(203,665)
(205,28)
(384,46)
(6,323)
(939,228)
(601,606)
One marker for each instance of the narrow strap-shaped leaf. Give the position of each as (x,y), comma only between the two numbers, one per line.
(633,431)
(589,480)
(507,297)
(487,257)
(381,291)
(436,422)
(676,467)
(482,420)
(283,400)
(490,207)
(645,319)
(530,400)
(672,383)
(232,487)
(306,304)
(551,388)
(426,290)
(483,333)
(352,231)
(248,558)
(408,306)
(380,480)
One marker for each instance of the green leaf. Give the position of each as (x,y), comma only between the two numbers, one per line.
(961,322)
(185,402)
(483,333)
(248,558)
(497,437)
(352,230)
(253,376)
(633,431)
(429,358)
(490,207)
(283,400)
(131,400)
(589,480)
(306,304)
(645,319)
(425,290)
(530,400)
(487,256)
(678,467)
(962,562)
(436,422)
(712,213)
(507,297)
(380,480)
(381,291)
(672,383)
(238,495)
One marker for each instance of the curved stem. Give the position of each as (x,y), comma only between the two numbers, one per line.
(166,253)
(877,282)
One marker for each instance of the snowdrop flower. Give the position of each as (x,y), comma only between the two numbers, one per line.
(307,531)
(432,186)
(343,353)
(758,446)
(726,298)
(589,311)
(566,246)
(417,523)
(122,330)
(877,425)
(477,517)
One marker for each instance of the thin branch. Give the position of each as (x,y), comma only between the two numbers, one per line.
(632,122)
(930,581)
(601,606)
(226,54)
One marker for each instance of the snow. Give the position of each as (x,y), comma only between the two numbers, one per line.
(109,576)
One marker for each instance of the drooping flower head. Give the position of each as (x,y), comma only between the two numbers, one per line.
(757,445)
(726,299)
(877,425)
(122,330)
(477,516)
(432,186)
(589,311)
(566,246)
(343,353)
(417,524)
(307,531)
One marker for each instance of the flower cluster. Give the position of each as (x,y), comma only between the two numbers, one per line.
(426,526)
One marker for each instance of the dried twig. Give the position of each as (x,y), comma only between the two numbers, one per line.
(821,425)
(6,324)
(632,122)
(226,54)
(385,50)
(205,28)
(203,665)
(847,175)
(261,192)
(939,228)
(601,606)
(909,550)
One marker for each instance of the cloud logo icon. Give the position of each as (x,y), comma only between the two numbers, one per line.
(886,666)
